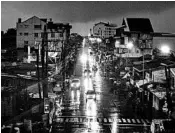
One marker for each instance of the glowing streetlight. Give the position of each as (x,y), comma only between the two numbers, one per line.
(84,58)
(117,43)
(99,40)
(129,45)
(165,49)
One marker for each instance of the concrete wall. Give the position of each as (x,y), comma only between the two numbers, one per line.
(104,31)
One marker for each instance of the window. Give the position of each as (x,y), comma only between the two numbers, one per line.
(26,26)
(26,34)
(36,34)
(61,34)
(137,51)
(20,34)
(37,26)
(26,42)
(52,34)
(42,35)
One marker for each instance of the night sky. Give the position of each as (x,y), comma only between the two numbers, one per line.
(82,15)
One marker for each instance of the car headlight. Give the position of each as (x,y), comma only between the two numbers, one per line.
(78,84)
(71,85)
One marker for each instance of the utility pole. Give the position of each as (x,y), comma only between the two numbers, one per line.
(44,78)
(38,71)
(63,57)
(63,61)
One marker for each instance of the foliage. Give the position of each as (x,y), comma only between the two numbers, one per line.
(8,39)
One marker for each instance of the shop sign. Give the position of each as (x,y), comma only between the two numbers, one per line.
(145,36)
(122,50)
(147,77)
(150,86)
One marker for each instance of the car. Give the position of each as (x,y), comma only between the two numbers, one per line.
(87,73)
(75,84)
(91,94)
(94,68)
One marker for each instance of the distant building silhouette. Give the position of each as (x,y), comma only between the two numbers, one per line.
(104,30)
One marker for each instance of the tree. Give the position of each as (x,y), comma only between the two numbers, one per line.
(8,42)
(9,39)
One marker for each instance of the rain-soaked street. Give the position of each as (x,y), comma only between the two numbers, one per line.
(107,113)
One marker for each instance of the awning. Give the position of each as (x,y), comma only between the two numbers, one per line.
(126,75)
(140,83)
(52,54)
(57,89)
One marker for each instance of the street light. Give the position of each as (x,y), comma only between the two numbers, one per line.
(98,41)
(84,58)
(165,49)
(129,46)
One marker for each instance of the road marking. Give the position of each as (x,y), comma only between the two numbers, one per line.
(133,121)
(124,120)
(85,120)
(100,120)
(129,120)
(110,119)
(105,120)
(138,120)
(81,120)
(147,121)
(119,120)
(142,121)
(67,120)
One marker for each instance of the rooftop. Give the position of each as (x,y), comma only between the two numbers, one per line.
(138,24)
(107,24)
(153,64)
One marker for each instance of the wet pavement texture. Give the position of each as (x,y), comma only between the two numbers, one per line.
(108,113)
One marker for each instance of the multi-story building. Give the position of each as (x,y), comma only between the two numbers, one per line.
(104,30)
(137,31)
(29,32)
(57,35)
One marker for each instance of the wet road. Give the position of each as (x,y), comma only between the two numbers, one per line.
(109,113)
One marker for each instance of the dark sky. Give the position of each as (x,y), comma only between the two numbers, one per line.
(82,15)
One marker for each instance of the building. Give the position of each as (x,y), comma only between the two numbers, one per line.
(57,35)
(153,89)
(104,30)
(29,32)
(137,31)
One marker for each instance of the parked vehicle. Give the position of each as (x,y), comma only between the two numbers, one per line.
(91,94)
(75,84)
(87,73)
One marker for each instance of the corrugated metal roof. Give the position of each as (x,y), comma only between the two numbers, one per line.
(173,71)
(139,24)
(153,64)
